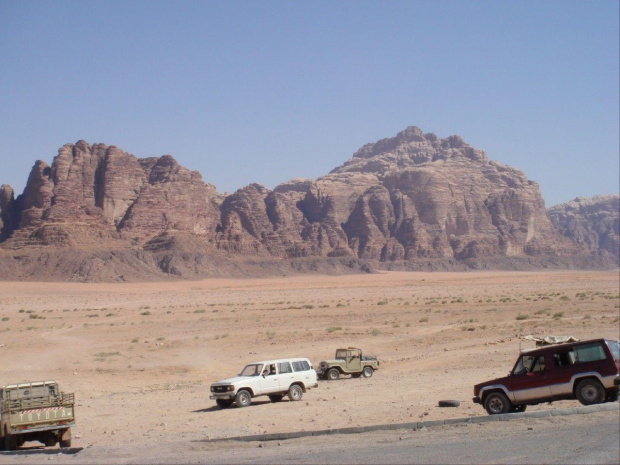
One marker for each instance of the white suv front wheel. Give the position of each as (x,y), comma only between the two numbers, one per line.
(243,398)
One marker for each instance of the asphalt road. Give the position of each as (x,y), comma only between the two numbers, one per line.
(581,439)
(575,439)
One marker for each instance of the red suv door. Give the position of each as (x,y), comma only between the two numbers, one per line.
(529,380)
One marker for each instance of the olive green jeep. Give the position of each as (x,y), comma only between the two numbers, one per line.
(348,362)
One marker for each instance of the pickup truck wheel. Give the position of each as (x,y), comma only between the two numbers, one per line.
(333,374)
(496,403)
(275,397)
(10,442)
(65,438)
(367,372)
(50,440)
(243,399)
(223,403)
(590,391)
(295,392)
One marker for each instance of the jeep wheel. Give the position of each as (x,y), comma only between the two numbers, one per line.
(496,403)
(65,438)
(368,371)
(590,391)
(275,397)
(333,374)
(243,399)
(295,392)
(223,403)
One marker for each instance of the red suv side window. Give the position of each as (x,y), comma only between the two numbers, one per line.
(590,352)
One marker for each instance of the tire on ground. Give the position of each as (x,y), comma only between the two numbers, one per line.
(449,403)
(367,372)
(333,374)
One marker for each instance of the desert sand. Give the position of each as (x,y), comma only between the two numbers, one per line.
(140,357)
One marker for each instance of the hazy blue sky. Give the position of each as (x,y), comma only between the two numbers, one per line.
(265,91)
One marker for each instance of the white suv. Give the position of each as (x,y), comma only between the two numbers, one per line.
(273,378)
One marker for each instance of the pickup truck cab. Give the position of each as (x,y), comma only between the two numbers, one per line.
(587,371)
(35,411)
(272,378)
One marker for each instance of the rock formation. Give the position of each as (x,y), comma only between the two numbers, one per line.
(7,219)
(594,222)
(404,202)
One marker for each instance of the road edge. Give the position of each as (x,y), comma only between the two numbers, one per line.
(606,407)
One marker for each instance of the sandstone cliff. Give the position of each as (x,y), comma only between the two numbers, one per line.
(593,223)
(412,201)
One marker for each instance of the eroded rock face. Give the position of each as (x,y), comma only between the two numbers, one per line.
(592,222)
(101,196)
(407,199)
(7,220)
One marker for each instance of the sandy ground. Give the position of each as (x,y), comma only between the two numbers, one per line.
(141,357)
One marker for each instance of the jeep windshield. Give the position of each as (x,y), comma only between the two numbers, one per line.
(341,355)
(253,369)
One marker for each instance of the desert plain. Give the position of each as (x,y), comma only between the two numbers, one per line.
(140,357)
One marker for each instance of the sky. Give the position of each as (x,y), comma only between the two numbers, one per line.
(266,91)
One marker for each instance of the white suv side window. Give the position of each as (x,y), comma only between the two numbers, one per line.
(284,367)
(301,365)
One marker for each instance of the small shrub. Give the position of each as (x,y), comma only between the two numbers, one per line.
(145,313)
(522,317)
(331,329)
(423,320)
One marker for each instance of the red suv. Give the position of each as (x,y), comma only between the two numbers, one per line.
(587,371)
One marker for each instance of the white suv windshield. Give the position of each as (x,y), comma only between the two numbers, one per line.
(253,369)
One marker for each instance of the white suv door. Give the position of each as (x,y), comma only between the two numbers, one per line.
(286,375)
(270,379)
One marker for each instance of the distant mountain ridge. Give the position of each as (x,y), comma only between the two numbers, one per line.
(413,201)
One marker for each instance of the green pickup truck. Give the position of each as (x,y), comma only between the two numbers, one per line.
(35,411)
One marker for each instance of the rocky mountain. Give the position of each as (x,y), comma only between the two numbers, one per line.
(593,223)
(414,201)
